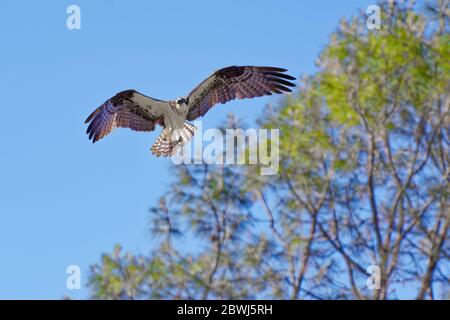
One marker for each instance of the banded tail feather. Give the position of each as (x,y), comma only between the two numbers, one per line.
(168,143)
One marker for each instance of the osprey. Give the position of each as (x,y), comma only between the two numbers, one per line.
(131,109)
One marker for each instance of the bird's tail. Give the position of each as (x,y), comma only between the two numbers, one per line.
(169,142)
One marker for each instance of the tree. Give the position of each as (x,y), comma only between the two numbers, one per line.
(360,207)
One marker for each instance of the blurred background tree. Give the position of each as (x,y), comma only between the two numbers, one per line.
(363,181)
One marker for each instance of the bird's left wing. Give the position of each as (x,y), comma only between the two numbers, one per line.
(127,109)
(237,82)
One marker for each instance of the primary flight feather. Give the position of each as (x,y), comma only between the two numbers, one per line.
(131,109)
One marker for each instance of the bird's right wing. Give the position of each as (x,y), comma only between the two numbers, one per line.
(127,109)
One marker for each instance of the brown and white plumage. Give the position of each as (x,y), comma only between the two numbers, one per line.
(237,83)
(127,109)
(131,109)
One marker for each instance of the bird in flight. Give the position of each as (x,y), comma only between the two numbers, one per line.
(131,109)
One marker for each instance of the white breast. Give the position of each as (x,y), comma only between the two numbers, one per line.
(174,119)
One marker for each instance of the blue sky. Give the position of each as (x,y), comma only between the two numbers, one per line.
(64,200)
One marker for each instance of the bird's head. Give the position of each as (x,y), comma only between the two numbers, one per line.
(183,101)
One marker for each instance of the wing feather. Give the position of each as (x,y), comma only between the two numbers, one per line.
(127,109)
(237,82)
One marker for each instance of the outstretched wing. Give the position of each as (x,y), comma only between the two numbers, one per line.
(237,83)
(127,109)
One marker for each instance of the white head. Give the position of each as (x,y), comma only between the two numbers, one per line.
(182,102)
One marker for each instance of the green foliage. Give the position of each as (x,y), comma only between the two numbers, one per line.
(364,175)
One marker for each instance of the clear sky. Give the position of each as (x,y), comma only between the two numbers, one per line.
(64,200)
